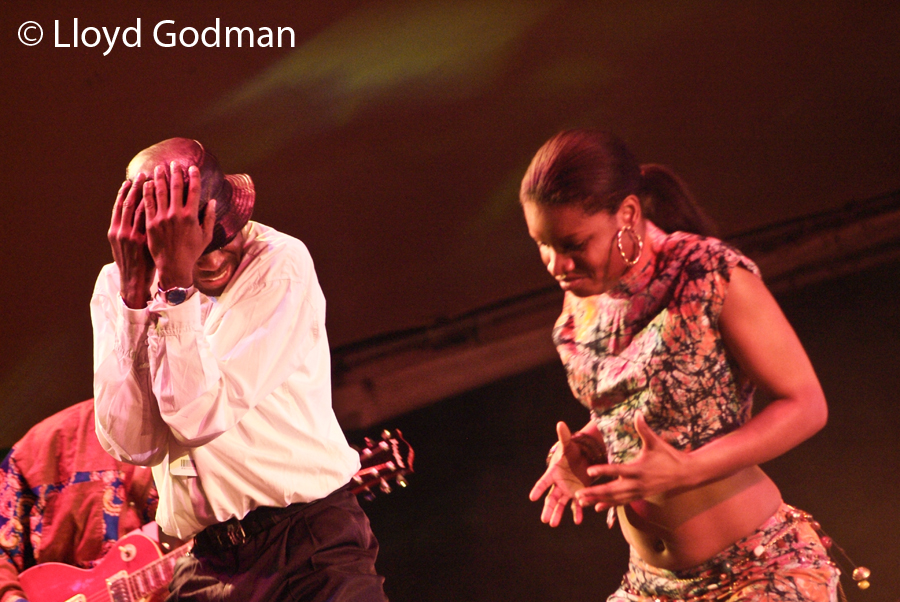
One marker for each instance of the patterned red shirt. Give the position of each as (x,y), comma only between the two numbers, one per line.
(64,499)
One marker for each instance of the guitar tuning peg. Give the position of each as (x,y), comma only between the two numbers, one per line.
(401,481)
(369,442)
(385,486)
(385,434)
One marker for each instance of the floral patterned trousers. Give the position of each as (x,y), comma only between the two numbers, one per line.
(784,560)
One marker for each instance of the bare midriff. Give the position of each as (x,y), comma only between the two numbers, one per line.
(679,531)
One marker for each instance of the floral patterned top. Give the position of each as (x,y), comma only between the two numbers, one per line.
(652,344)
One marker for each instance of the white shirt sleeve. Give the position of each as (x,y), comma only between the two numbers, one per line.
(128,422)
(207,376)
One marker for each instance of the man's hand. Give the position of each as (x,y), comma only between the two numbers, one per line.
(128,241)
(175,236)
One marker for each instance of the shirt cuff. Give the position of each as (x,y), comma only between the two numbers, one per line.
(131,330)
(176,318)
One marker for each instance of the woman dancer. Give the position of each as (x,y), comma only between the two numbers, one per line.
(664,334)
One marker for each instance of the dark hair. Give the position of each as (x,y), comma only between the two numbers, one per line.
(596,171)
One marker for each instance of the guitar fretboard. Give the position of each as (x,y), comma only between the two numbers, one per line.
(148,580)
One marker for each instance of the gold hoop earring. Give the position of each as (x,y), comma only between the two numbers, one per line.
(635,239)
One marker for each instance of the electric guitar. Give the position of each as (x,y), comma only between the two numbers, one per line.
(136,569)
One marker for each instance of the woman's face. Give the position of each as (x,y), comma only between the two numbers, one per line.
(578,249)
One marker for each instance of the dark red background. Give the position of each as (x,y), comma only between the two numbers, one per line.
(391,139)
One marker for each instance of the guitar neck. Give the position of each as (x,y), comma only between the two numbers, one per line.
(149,579)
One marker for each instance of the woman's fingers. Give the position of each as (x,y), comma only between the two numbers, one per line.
(563,433)
(577,512)
(540,487)
(554,508)
(614,493)
(649,439)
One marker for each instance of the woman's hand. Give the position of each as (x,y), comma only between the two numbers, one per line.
(566,474)
(128,241)
(658,468)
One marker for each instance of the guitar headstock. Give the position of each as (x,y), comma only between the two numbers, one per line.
(383,461)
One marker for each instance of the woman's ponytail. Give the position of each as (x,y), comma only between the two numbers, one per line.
(667,203)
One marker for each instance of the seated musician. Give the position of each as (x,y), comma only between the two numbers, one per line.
(64,499)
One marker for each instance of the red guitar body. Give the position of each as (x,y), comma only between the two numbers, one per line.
(56,582)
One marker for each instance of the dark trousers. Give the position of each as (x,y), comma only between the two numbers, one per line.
(318,552)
